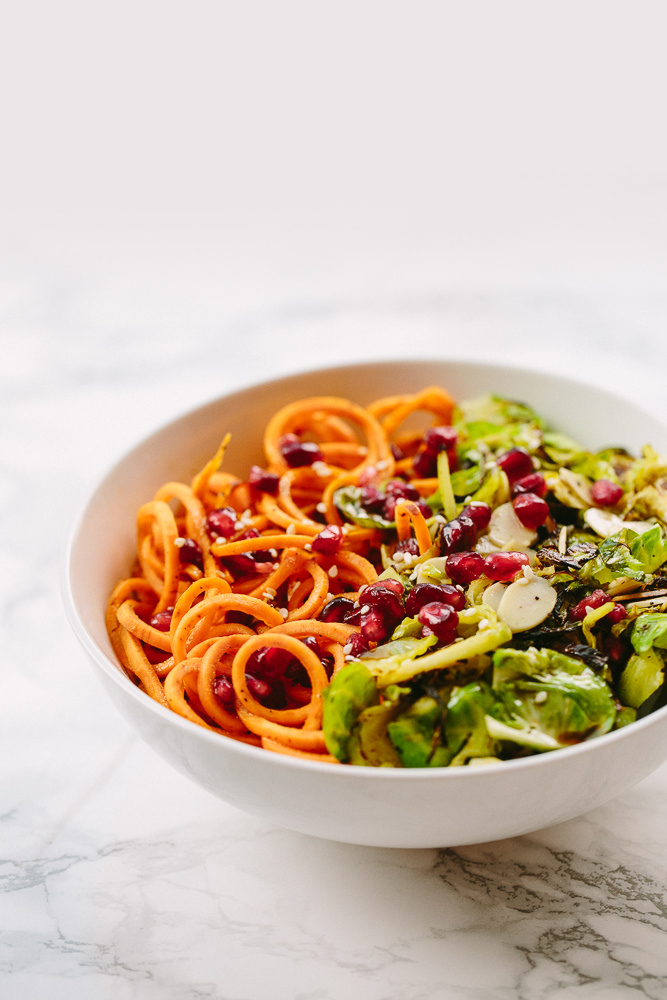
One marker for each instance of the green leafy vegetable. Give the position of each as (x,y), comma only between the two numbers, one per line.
(415,731)
(351,691)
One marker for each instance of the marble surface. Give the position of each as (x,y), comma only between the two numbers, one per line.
(146,265)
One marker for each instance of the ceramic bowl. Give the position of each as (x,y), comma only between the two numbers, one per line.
(380,807)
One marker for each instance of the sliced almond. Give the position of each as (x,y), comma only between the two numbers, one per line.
(506,530)
(606,523)
(526,603)
(493,595)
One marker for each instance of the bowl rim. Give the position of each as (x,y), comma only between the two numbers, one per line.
(115,673)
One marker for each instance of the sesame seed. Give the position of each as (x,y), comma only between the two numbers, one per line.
(321,508)
(290,529)
(179,542)
(333,571)
(308,547)
(284,612)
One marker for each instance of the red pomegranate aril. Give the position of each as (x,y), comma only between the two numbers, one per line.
(374,624)
(395,586)
(270,695)
(464,567)
(155,655)
(269,662)
(336,610)
(190,553)
(614,648)
(409,546)
(531,510)
(162,620)
(356,644)
(221,522)
(532,483)
(386,600)
(458,535)
(479,513)
(617,614)
(298,453)
(223,689)
(504,566)
(440,620)
(399,488)
(329,540)
(593,601)
(371,498)
(425,463)
(311,642)
(263,480)
(427,593)
(440,438)
(516,463)
(605,493)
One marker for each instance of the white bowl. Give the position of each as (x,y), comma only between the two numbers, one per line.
(374,806)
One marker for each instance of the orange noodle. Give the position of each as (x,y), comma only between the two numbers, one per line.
(227,616)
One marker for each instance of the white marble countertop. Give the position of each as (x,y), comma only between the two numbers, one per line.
(120,879)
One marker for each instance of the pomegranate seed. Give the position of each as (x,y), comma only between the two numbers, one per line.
(155,655)
(242,564)
(356,644)
(395,586)
(329,540)
(595,600)
(605,493)
(399,488)
(223,689)
(336,610)
(440,438)
(531,510)
(384,599)
(263,480)
(479,513)
(409,546)
(269,662)
(427,593)
(516,463)
(190,552)
(464,567)
(440,620)
(270,695)
(298,453)
(425,463)
(221,522)
(374,624)
(534,482)
(458,535)
(503,566)
(397,452)
(311,642)
(371,498)
(614,648)
(162,620)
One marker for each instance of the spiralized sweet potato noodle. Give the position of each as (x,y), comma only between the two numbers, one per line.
(183,631)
